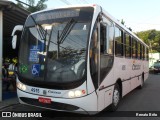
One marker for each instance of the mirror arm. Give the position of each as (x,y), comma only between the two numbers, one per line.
(17,28)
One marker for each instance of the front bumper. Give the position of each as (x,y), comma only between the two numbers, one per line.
(85,105)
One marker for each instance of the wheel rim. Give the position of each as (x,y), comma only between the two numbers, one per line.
(116,97)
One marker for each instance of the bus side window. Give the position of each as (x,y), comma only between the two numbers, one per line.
(127,39)
(118,42)
(134,48)
(143,52)
(147,54)
(139,50)
(106,37)
(103,39)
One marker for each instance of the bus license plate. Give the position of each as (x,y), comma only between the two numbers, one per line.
(44,100)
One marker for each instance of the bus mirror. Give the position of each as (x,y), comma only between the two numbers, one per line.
(14,41)
(14,36)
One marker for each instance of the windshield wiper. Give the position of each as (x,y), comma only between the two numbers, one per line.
(41,31)
(64,34)
(65,31)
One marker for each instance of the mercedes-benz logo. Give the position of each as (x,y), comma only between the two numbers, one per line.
(44,92)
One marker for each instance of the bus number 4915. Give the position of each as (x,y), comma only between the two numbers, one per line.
(35,90)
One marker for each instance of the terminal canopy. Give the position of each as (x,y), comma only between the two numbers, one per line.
(12,16)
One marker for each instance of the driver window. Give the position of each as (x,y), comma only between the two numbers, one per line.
(106,48)
(103,38)
(106,38)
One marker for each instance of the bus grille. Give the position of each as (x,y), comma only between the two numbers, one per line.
(53,105)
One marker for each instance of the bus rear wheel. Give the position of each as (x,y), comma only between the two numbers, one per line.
(115,98)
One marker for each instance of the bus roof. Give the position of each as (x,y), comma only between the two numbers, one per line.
(104,12)
(68,6)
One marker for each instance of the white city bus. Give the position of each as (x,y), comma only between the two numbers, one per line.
(78,59)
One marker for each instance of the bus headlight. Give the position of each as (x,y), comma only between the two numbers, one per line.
(71,94)
(21,86)
(76,93)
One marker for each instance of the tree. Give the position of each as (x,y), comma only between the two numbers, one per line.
(20,5)
(152,38)
(122,22)
(31,5)
(31,2)
(40,5)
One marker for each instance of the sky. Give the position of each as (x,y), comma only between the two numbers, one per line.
(140,15)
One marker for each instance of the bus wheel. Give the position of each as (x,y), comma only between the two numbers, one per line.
(115,98)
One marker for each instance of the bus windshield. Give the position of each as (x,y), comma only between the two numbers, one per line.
(54,46)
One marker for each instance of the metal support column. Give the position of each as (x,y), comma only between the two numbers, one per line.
(1,49)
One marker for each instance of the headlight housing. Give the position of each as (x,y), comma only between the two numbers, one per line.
(76,93)
(21,86)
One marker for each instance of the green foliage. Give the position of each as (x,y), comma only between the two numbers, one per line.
(40,5)
(20,5)
(32,7)
(31,2)
(122,22)
(151,38)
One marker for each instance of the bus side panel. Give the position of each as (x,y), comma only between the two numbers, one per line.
(126,86)
(135,82)
(107,97)
(130,75)
(105,91)
(122,71)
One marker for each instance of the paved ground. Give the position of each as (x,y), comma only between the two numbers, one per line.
(146,99)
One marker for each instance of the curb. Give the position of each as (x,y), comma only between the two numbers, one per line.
(11,105)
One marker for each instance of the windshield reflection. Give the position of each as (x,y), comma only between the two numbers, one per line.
(66,60)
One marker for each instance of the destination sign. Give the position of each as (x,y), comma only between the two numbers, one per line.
(57,14)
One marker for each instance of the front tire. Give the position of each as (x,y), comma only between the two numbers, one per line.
(115,98)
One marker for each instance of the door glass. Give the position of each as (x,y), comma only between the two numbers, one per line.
(93,53)
(106,56)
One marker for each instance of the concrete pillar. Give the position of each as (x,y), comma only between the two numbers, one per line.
(1,48)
